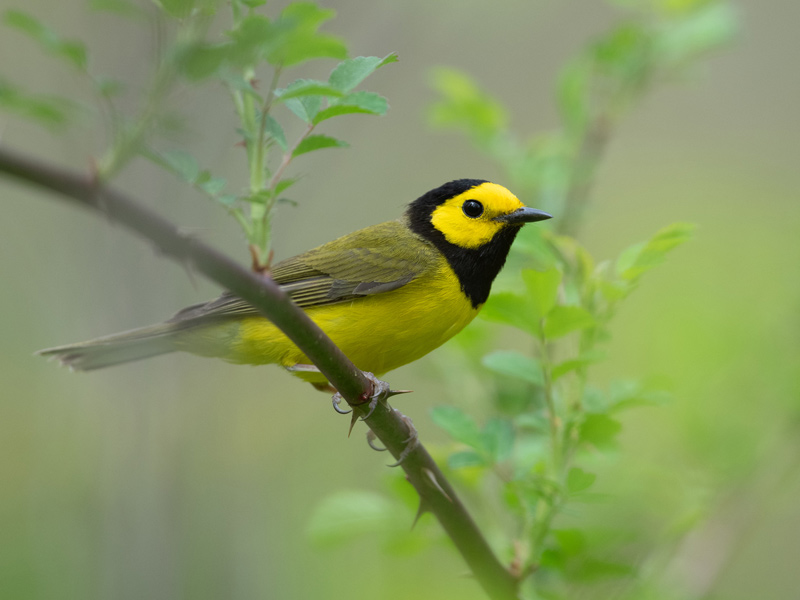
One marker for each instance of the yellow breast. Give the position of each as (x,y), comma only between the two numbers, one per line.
(378,333)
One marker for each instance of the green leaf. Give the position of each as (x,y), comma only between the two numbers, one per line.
(467,458)
(514,364)
(183,164)
(227,200)
(613,291)
(537,422)
(542,289)
(73,51)
(50,111)
(210,184)
(200,61)
(317,142)
(566,319)
(290,40)
(464,106)
(358,102)
(254,36)
(178,9)
(275,131)
(349,73)
(640,258)
(459,425)
(284,185)
(572,542)
(570,365)
(498,439)
(260,197)
(625,52)
(236,82)
(579,480)
(623,395)
(348,515)
(511,309)
(318,46)
(305,107)
(109,87)
(593,569)
(307,87)
(296,39)
(599,430)
(701,30)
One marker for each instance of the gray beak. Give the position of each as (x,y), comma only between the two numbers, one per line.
(524,215)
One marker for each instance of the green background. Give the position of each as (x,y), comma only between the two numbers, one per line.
(185,477)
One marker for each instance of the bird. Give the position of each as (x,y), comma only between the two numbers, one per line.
(387,294)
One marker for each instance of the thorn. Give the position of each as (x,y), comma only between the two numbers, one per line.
(353,421)
(424,507)
(391,393)
(429,474)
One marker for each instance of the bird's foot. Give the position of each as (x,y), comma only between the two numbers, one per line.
(379,392)
(411,442)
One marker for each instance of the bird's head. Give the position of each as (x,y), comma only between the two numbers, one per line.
(469,213)
(473,224)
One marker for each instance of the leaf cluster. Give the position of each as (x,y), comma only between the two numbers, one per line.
(550,422)
(252,46)
(654,41)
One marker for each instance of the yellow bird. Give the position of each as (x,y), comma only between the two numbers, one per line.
(386,295)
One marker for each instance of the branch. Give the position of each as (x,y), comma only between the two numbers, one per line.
(436,494)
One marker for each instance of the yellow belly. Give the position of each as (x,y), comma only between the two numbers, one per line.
(378,333)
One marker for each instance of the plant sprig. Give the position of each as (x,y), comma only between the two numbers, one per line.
(252,44)
(279,45)
(549,416)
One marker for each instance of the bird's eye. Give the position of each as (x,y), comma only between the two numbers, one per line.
(472,208)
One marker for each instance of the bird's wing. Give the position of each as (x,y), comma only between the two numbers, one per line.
(370,261)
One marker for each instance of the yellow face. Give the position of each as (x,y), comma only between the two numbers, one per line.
(468,220)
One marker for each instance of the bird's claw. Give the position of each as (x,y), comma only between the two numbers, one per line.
(411,442)
(379,392)
(337,400)
(371,437)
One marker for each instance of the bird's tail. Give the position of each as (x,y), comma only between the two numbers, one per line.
(116,349)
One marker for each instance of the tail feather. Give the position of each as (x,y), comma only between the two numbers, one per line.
(115,349)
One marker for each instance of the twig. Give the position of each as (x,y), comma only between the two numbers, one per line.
(436,494)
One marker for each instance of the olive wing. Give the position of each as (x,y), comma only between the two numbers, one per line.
(370,261)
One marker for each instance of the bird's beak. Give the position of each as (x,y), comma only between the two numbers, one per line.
(524,215)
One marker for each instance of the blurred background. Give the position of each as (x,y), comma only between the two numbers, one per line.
(182,477)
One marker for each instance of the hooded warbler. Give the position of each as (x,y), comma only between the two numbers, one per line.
(386,295)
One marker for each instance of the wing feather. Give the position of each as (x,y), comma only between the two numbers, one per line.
(361,264)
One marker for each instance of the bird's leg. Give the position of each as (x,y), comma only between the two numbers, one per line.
(371,437)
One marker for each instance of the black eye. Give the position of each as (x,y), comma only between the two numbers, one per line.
(472,208)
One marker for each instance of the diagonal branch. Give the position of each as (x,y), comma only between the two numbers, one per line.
(436,494)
